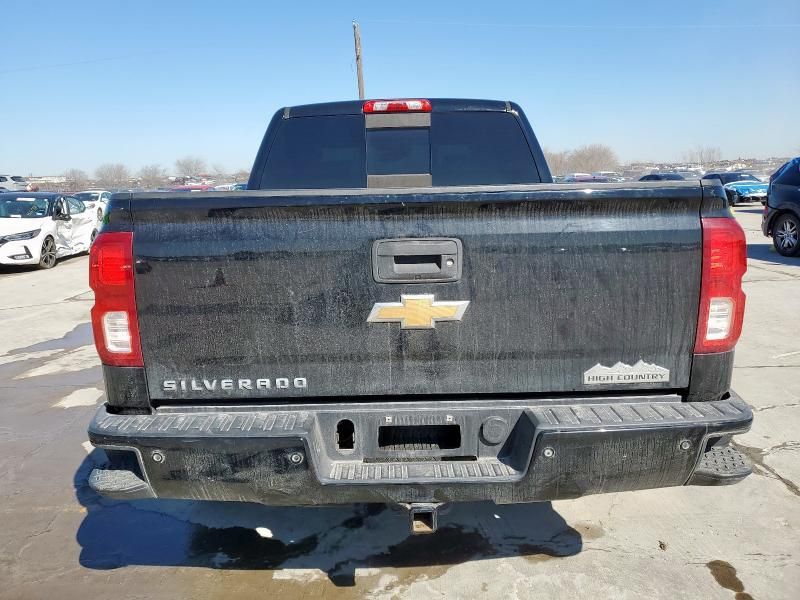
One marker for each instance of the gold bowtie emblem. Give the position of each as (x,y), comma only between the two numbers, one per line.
(417,311)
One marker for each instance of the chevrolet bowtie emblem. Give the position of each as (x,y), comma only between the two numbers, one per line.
(417,311)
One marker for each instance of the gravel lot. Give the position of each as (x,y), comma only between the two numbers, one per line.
(62,541)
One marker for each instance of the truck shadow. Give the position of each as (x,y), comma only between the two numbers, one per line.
(335,540)
(766,253)
(753,209)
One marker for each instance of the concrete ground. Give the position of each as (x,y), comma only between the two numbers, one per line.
(59,540)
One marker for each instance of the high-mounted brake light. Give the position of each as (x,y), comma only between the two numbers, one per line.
(721,297)
(114,319)
(394,106)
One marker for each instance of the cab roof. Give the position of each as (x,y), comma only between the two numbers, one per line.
(355,107)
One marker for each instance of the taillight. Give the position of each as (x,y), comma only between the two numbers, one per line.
(721,297)
(393,106)
(114,320)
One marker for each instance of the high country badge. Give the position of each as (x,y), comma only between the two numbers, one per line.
(621,373)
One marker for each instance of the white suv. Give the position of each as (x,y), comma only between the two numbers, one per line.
(13,183)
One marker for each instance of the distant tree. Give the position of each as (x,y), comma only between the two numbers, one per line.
(218,169)
(152,176)
(112,175)
(190,166)
(703,154)
(75,180)
(557,161)
(241,175)
(594,157)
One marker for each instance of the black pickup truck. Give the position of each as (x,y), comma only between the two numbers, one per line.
(403,308)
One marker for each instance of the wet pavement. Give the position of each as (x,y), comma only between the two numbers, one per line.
(59,539)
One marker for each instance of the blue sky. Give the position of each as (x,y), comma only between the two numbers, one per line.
(84,82)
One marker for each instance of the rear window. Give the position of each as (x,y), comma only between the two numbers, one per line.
(316,153)
(459,148)
(479,148)
(733,177)
(87,196)
(398,151)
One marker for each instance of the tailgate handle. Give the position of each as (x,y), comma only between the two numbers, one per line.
(416,260)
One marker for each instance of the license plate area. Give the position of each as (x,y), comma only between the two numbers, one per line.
(378,436)
(424,438)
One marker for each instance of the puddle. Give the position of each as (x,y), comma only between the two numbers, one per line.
(757,457)
(725,575)
(349,547)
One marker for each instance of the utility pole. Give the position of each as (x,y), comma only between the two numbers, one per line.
(359,66)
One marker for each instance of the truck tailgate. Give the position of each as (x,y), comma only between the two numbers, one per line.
(265,295)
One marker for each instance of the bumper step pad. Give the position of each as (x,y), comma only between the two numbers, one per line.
(119,484)
(721,465)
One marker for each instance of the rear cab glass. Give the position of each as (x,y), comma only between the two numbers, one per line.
(317,153)
(452,148)
(481,148)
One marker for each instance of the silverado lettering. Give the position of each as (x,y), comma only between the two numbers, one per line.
(281,383)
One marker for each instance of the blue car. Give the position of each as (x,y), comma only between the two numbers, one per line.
(747,191)
(727,178)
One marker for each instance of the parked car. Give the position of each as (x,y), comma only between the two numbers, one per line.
(38,228)
(95,200)
(609,175)
(726,177)
(585,178)
(192,188)
(781,219)
(230,187)
(662,177)
(747,191)
(13,182)
(403,308)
